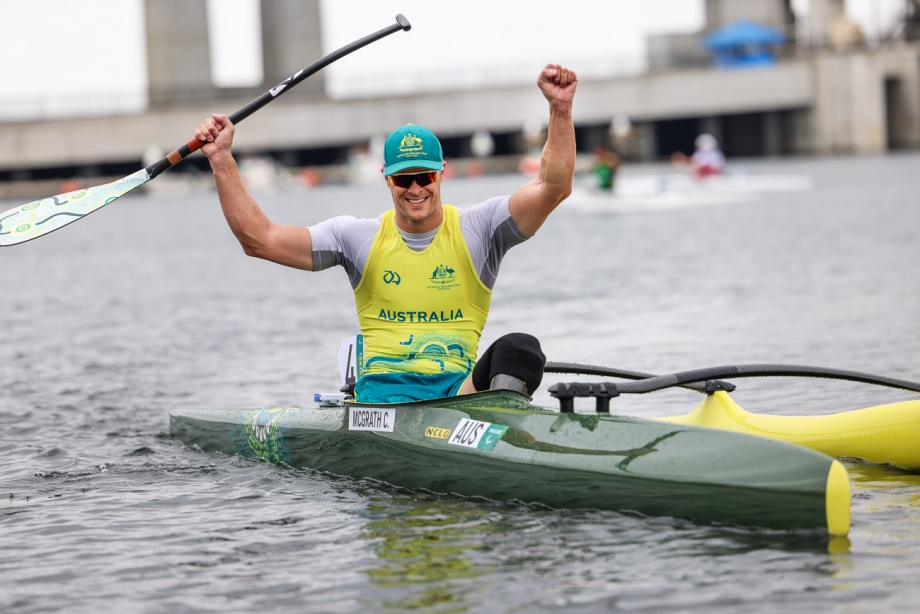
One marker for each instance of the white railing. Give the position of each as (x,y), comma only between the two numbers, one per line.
(68,106)
(448,78)
(339,87)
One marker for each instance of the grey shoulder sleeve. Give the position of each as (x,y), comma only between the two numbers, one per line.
(345,241)
(490,232)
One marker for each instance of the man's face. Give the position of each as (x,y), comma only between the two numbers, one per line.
(418,209)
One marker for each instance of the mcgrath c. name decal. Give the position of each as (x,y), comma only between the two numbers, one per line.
(476,434)
(371,419)
(435,432)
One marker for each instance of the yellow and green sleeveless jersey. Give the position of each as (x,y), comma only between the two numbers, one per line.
(421,312)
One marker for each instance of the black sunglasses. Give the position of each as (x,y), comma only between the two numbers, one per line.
(406,181)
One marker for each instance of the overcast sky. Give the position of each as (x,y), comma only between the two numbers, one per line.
(92,52)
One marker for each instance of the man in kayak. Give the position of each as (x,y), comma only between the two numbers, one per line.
(422,272)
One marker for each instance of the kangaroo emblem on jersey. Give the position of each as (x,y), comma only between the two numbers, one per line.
(443,277)
(442,272)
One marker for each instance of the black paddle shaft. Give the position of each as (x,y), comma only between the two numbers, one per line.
(274,93)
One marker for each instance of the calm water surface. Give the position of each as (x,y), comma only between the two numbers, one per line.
(149,305)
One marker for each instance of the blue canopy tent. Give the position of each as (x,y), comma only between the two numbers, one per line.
(744,44)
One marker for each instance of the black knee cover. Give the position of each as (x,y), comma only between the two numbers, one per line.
(515,354)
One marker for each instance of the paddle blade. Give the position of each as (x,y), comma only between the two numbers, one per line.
(48,214)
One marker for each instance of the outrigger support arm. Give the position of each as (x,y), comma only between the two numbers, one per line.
(709,378)
(580,369)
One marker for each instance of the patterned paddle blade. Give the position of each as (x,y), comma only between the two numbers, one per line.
(48,214)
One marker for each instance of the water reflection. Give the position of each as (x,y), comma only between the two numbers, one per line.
(884,487)
(450,554)
(425,544)
(886,504)
(886,527)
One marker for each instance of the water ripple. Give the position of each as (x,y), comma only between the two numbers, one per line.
(101,511)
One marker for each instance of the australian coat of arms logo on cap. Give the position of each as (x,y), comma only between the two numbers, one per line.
(410,147)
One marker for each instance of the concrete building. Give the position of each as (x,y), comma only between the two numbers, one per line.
(839,97)
(178,55)
(178,58)
(823,96)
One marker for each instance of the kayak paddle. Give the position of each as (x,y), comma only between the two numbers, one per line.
(43,216)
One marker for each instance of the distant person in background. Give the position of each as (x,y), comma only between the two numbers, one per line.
(706,161)
(605,167)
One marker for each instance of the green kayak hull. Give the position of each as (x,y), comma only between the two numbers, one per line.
(497,445)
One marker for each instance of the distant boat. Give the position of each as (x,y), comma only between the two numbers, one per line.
(646,193)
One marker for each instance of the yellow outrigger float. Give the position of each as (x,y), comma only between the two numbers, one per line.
(885,434)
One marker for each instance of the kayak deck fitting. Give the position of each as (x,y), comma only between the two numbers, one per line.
(497,445)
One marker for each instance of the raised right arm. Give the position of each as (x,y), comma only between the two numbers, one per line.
(258,235)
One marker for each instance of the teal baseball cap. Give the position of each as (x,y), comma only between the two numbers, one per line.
(412,146)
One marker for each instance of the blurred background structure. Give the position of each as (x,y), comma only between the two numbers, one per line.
(760,77)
